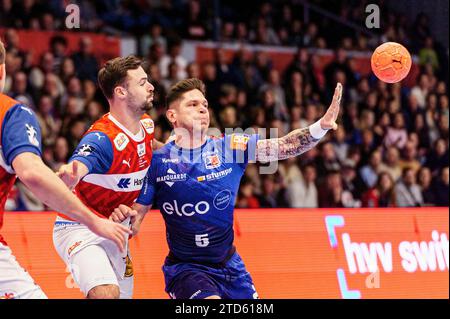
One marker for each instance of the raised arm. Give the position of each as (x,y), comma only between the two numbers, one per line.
(300,140)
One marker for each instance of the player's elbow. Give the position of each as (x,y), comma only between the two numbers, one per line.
(30,177)
(28,168)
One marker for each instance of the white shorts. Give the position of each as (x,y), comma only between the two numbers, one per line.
(93,260)
(16,282)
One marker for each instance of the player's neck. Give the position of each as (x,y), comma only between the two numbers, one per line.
(125,117)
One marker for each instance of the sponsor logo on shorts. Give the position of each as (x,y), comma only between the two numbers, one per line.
(71,248)
(7,295)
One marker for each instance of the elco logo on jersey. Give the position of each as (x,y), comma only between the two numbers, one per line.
(121,141)
(187,209)
(32,135)
(85,150)
(148,125)
(141,149)
(239,142)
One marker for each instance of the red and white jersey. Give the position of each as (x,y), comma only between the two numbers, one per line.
(19,133)
(117,161)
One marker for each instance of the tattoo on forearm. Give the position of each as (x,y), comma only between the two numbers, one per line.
(293,144)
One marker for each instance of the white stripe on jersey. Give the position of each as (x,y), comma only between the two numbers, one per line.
(118,182)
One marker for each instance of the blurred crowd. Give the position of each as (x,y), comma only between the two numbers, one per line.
(391,148)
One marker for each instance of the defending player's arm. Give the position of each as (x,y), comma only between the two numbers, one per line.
(300,140)
(51,190)
(92,155)
(21,142)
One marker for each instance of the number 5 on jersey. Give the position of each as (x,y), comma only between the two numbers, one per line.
(202,240)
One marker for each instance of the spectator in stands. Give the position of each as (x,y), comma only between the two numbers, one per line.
(246,197)
(58,47)
(438,156)
(154,36)
(383,194)
(330,194)
(352,184)
(301,187)
(425,182)
(340,146)
(441,187)
(86,64)
(50,125)
(396,135)
(174,55)
(410,157)
(369,173)
(420,91)
(273,193)
(407,191)
(391,164)
(20,89)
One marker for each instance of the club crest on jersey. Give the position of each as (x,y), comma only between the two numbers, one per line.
(32,134)
(148,125)
(212,161)
(121,141)
(85,150)
(141,149)
(239,142)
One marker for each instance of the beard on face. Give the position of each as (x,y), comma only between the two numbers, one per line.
(147,106)
(143,107)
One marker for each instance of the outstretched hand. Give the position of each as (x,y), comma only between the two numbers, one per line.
(328,121)
(69,174)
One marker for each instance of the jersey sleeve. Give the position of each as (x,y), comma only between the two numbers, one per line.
(241,148)
(148,189)
(20,133)
(95,151)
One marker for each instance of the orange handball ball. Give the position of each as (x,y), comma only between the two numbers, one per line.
(391,62)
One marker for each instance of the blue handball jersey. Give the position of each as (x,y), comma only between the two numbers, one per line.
(195,191)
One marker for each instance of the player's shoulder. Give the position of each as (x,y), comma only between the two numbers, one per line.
(164,150)
(7,102)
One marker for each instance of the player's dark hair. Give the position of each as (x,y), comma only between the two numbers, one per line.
(114,73)
(2,53)
(177,90)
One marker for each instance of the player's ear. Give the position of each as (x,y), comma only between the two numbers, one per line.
(171,115)
(120,91)
(2,70)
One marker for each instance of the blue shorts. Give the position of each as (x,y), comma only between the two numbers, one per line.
(197,281)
